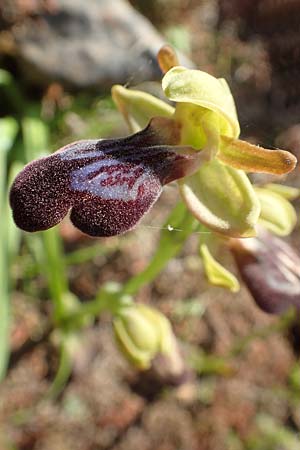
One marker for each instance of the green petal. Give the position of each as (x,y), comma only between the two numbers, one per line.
(200,88)
(222,198)
(216,273)
(288,192)
(277,214)
(252,158)
(139,107)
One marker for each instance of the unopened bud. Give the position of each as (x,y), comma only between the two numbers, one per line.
(146,339)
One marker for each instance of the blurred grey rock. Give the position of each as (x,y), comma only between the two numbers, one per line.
(92,43)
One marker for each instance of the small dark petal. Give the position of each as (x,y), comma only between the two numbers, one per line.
(110,184)
(270,269)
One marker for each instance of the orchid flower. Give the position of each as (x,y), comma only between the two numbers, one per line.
(110,184)
(219,194)
(268,265)
(107,184)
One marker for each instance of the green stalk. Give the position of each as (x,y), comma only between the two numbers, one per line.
(55,271)
(171,242)
(4,285)
(8,131)
(63,372)
(110,299)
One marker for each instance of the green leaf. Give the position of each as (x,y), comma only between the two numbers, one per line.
(277,214)
(200,88)
(274,435)
(222,198)
(5,77)
(216,273)
(252,158)
(52,263)
(8,132)
(35,137)
(139,107)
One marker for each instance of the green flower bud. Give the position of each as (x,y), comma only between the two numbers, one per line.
(142,333)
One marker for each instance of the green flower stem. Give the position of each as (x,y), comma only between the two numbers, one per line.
(204,364)
(109,299)
(170,244)
(63,372)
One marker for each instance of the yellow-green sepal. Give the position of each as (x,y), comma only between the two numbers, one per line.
(288,192)
(139,107)
(215,273)
(277,214)
(183,85)
(222,198)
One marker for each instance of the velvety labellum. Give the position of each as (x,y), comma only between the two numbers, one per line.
(109,184)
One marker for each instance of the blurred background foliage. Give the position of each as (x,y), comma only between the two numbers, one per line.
(64,384)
